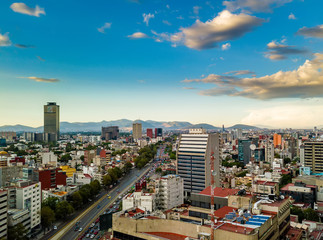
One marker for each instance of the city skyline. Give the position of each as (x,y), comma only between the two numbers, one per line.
(215,62)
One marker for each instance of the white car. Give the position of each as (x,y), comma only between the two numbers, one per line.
(80,229)
(92,236)
(55,227)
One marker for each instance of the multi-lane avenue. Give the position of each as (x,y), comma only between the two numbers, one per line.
(106,200)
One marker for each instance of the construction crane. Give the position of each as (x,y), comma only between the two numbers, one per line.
(213,173)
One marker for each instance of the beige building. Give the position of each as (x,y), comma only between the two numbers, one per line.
(137,130)
(313,155)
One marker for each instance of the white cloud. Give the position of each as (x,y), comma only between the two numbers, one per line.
(226,46)
(279,51)
(291,16)
(138,35)
(304,82)
(167,6)
(147,17)
(196,10)
(316,31)
(167,23)
(105,26)
(240,72)
(39,79)
(254,5)
(4,40)
(24,9)
(226,26)
(300,114)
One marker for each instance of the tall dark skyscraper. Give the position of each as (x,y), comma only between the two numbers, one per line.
(110,133)
(51,122)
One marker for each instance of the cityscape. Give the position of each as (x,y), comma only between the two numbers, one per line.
(161,120)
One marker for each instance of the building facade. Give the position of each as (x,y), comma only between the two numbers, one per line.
(110,133)
(244,152)
(313,155)
(194,159)
(170,192)
(137,130)
(51,122)
(3,213)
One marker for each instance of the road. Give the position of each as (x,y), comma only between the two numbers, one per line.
(93,212)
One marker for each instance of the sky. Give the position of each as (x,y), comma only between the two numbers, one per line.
(218,62)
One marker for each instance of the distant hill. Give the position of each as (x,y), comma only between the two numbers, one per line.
(243,126)
(124,125)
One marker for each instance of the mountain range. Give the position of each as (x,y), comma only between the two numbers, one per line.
(124,125)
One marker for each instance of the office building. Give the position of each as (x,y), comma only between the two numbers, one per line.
(137,130)
(9,136)
(149,132)
(110,133)
(194,159)
(244,151)
(158,132)
(313,155)
(51,122)
(169,190)
(49,158)
(277,140)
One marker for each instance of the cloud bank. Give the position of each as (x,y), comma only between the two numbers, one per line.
(279,51)
(316,31)
(304,82)
(254,5)
(4,40)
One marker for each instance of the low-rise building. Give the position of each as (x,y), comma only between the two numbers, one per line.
(139,199)
(266,187)
(300,192)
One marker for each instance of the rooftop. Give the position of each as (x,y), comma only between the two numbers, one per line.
(219,192)
(167,235)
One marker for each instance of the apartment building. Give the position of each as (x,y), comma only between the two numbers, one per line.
(169,190)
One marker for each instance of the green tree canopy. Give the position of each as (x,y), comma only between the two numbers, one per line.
(17,232)
(107,180)
(63,209)
(50,202)
(47,216)
(77,200)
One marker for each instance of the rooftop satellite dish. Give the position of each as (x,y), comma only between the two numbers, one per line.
(253,147)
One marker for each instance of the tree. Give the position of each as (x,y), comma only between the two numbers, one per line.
(297,211)
(66,157)
(118,172)
(82,157)
(285,179)
(50,202)
(96,187)
(127,167)
(107,180)
(158,170)
(286,160)
(242,174)
(311,215)
(68,147)
(17,232)
(85,192)
(77,200)
(63,209)
(47,217)
(113,175)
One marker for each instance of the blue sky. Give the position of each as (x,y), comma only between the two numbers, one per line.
(163,60)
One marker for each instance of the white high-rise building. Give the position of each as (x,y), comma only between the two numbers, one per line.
(27,196)
(194,159)
(170,192)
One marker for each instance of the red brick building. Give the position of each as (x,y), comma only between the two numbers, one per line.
(50,177)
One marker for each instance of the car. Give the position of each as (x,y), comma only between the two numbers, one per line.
(98,206)
(96,233)
(76,228)
(97,220)
(88,235)
(109,197)
(92,236)
(93,224)
(55,227)
(80,229)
